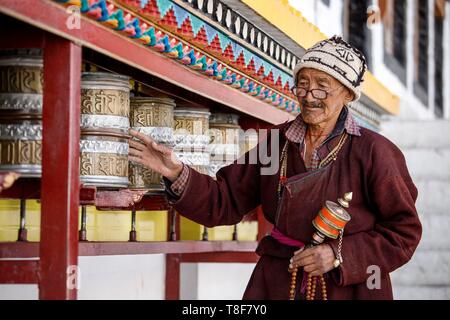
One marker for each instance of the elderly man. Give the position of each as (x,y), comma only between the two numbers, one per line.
(324,154)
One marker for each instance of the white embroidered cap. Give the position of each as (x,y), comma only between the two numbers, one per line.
(339,59)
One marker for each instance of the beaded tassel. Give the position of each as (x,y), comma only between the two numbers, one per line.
(311,287)
(293,283)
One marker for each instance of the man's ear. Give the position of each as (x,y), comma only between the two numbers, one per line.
(349,96)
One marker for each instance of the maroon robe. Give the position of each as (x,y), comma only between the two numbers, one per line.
(384,230)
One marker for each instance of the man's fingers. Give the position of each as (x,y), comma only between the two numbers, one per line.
(305,253)
(137,145)
(161,148)
(135,152)
(311,268)
(141,136)
(135,159)
(316,272)
(303,261)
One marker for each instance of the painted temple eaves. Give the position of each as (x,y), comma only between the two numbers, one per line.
(213,39)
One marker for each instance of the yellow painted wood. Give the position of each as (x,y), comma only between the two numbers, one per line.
(382,96)
(292,23)
(116,225)
(100,225)
(247,231)
(190,230)
(10,220)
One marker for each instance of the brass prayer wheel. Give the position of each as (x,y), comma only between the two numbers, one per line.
(104,158)
(331,219)
(105,101)
(21,86)
(153,117)
(105,110)
(224,132)
(192,138)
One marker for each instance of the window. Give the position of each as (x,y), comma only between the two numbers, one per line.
(356,30)
(394,22)
(399,49)
(421,51)
(438,58)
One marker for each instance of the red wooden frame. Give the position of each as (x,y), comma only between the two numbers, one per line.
(18,250)
(59,188)
(60,167)
(19,271)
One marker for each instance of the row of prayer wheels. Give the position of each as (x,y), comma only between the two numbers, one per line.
(200,139)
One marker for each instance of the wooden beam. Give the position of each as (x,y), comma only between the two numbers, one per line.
(220,257)
(60,167)
(19,271)
(172,277)
(16,250)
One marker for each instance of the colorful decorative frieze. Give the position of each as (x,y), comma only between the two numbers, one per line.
(166,27)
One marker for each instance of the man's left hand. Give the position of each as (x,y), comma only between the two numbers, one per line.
(315,261)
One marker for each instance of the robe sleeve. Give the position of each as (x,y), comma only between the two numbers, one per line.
(179,185)
(397,230)
(224,200)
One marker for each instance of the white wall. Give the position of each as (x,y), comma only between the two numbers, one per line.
(19,292)
(109,277)
(143,277)
(214,281)
(122,277)
(306,7)
(315,10)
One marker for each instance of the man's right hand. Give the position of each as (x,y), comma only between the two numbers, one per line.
(156,157)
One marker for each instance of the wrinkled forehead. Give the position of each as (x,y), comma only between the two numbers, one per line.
(315,75)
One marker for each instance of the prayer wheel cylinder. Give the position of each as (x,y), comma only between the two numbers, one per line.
(104,159)
(224,144)
(192,138)
(21,74)
(105,110)
(105,101)
(154,118)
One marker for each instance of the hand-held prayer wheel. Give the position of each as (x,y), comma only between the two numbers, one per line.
(329,222)
(331,219)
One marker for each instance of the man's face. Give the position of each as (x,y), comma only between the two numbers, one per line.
(316,111)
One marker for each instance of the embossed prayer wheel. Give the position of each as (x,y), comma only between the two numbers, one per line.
(224,132)
(21,86)
(153,117)
(105,110)
(192,138)
(105,101)
(104,158)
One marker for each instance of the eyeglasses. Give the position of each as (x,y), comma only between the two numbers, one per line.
(320,94)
